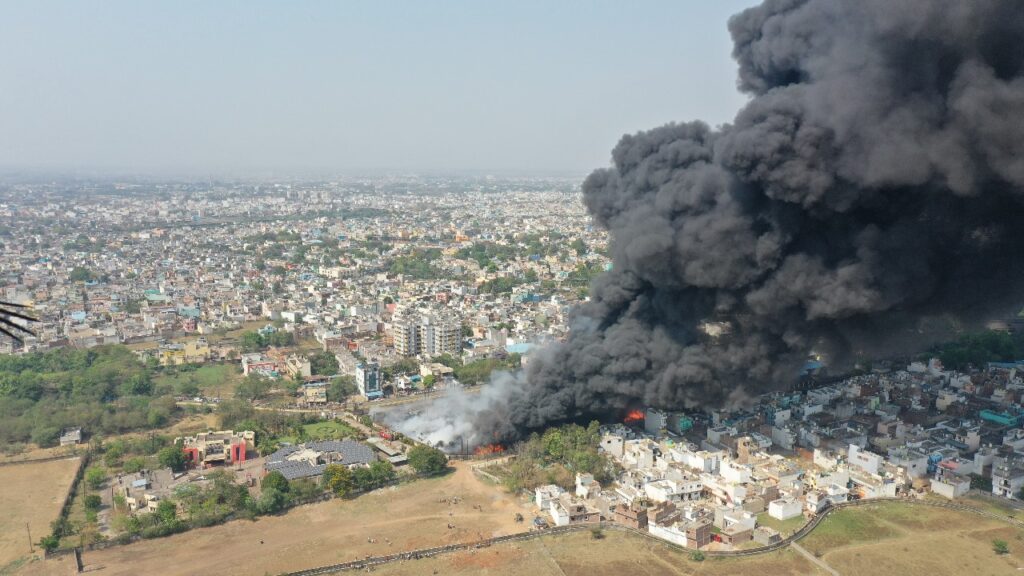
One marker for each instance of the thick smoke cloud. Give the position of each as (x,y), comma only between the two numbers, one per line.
(873,184)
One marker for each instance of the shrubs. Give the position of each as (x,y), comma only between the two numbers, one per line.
(92,502)
(172,457)
(378,474)
(49,543)
(555,457)
(337,479)
(105,389)
(697,556)
(1000,547)
(275,481)
(133,465)
(427,461)
(95,477)
(272,501)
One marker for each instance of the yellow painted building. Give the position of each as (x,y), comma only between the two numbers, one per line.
(194,352)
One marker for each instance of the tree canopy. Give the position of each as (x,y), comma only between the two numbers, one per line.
(427,461)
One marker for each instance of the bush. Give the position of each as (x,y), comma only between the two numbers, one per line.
(1000,547)
(597,533)
(271,501)
(427,461)
(95,477)
(92,502)
(45,436)
(49,543)
(172,457)
(697,556)
(133,465)
(113,454)
(305,489)
(337,479)
(275,481)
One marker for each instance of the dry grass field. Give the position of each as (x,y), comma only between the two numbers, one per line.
(409,516)
(915,541)
(30,493)
(883,539)
(579,554)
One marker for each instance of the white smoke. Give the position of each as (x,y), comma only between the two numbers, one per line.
(450,420)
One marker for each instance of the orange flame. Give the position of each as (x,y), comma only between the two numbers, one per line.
(488,449)
(634,416)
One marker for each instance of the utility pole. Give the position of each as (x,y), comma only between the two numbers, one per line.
(31,548)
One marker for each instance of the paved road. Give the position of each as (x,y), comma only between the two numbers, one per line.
(818,561)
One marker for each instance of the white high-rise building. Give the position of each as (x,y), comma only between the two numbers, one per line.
(427,335)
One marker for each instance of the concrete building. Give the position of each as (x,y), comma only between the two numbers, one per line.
(368,380)
(784,508)
(633,516)
(427,335)
(71,437)
(223,447)
(1008,476)
(314,392)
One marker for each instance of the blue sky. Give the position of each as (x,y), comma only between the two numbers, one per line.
(228,87)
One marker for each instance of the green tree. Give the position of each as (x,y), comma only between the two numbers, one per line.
(275,480)
(79,274)
(382,472)
(172,457)
(341,387)
(167,511)
(427,461)
(113,454)
(252,387)
(252,342)
(337,479)
(272,501)
(95,477)
(49,543)
(92,502)
(323,363)
(133,465)
(362,479)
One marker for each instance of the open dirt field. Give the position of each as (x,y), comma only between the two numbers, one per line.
(580,554)
(32,493)
(918,541)
(410,516)
(884,539)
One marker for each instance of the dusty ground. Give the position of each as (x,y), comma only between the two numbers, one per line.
(410,516)
(883,539)
(580,554)
(32,452)
(919,541)
(30,493)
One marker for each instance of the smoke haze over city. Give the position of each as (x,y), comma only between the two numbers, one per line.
(869,187)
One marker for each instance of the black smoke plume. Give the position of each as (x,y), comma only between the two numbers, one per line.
(873,183)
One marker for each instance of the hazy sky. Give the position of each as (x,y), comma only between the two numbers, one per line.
(470,85)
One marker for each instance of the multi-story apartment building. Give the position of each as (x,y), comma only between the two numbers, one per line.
(427,335)
(368,380)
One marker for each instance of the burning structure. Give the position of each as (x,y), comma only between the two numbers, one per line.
(870,190)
